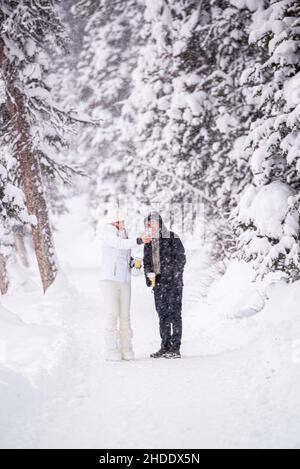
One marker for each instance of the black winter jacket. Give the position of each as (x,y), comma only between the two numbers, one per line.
(172,260)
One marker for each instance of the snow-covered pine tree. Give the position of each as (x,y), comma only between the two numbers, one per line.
(63,80)
(227,120)
(191,134)
(12,204)
(188,110)
(146,109)
(12,212)
(35,126)
(74,16)
(108,57)
(268,216)
(83,9)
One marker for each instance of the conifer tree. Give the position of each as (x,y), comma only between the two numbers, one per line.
(269,212)
(108,57)
(35,126)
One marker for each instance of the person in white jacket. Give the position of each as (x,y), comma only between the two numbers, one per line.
(116,286)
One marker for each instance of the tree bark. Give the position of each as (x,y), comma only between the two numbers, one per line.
(3,275)
(35,197)
(32,181)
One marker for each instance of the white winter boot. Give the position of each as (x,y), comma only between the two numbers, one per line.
(128,355)
(112,350)
(126,345)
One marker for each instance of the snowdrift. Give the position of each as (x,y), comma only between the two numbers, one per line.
(33,340)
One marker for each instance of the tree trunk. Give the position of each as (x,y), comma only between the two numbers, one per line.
(32,181)
(20,246)
(3,275)
(35,200)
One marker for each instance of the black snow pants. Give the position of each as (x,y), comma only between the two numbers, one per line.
(168,303)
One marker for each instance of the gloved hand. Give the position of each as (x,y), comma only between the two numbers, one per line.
(148,282)
(135,263)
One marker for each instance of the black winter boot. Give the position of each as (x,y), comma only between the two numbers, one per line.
(172,355)
(161,353)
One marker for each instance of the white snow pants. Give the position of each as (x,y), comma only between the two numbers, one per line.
(118,332)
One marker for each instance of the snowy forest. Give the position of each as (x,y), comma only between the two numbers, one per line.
(187,107)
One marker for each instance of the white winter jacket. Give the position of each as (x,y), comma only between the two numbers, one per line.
(116,253)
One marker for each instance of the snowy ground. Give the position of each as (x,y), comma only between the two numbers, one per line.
(237,385)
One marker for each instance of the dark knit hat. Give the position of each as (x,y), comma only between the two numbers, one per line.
(154,216)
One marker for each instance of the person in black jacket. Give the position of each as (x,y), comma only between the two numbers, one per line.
(165,256)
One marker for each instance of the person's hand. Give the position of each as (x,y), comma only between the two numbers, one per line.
(148,282)
(146,239)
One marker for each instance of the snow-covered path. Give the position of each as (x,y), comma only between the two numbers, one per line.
(203,401)
(142,404)
(237,385)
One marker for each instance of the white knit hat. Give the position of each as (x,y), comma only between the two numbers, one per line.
(114,215)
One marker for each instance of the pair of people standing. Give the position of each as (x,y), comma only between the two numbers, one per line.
(164,256)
